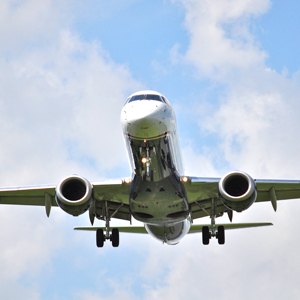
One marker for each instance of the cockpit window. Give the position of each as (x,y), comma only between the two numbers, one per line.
(146,97)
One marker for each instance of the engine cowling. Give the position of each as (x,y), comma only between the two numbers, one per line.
(74,195)
(237,191)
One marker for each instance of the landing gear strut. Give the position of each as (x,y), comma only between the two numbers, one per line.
(147,162)
(144,175)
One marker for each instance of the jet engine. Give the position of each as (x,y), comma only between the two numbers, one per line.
(237,191)
(74,195)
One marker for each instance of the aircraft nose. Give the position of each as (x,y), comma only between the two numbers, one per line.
(144,119)
(142,110)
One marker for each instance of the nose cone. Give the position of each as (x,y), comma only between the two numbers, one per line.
(145,119)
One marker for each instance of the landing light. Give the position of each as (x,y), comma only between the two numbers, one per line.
(127,179)
(144,160)
(184,179)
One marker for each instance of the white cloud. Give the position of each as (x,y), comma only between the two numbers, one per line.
(256,121)
(52,112)
(60,101)
(220,40)
(54,98)
(257,124)
(25,22)
(198,164)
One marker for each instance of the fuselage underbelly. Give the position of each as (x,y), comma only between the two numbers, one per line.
(157,194)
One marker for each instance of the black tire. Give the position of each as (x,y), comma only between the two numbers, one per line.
(99,238)
(205,235)
(115,239)
(221,235)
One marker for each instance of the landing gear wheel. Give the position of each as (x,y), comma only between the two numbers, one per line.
(205,235)
(99,238)
(144,175)
(114,237)
(221,235)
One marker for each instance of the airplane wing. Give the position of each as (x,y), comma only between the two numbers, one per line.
(111,198)
(31,195)
(201,191)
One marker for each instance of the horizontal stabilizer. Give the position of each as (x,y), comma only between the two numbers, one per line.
(193,229)
(198,228)
(129,229)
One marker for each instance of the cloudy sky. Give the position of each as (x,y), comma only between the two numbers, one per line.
(230,68)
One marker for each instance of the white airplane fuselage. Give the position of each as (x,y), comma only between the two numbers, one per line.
(157,194)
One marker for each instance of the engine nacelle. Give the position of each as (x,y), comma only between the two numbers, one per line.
(74,195)
(237,191)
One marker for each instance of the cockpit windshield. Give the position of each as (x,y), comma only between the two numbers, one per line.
(146,97)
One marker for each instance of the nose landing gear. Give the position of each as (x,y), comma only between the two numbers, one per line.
(147,163)
(144,175)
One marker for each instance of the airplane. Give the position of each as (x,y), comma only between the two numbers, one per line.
(157,193)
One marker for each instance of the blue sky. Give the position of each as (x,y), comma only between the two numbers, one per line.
(231,71)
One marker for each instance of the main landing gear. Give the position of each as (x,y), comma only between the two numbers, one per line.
(113,237)
(206,235)
(213,231)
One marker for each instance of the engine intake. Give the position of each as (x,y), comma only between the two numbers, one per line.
(237,191)
(74,195)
